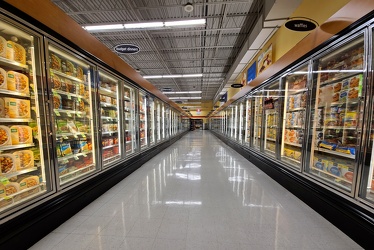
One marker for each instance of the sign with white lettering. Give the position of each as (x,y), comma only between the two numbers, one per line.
(126,49)
(300,25)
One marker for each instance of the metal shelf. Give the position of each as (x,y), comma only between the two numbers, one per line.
(66,76)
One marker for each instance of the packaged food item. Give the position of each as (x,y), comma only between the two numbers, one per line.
(62,126)
(28,182)
(16,108)
(81,127)
(318,163)
(56,82)
(57,101)
(55,62)
(79,106)
(80,89)
(65,148)
(26,159)
(3,79)
(353,93)
(63,168)
(21,134)
(3,46)
(343,95)
(354,82)
(334,169)
(67,104)
(5,136)
(8,163)
(2,191)
(80,74)
(2,108)
(69,86)
(71,126)
(337,87)
(19,53)
(9,50)
(70,68)
(12,188)
(328,145)
(346,150)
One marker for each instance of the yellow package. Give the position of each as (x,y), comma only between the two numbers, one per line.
(26,159)
(17,82)
(21,134)
(16,108)
(28,182)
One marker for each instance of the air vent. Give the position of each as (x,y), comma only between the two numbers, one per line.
(166,89)
(179,102)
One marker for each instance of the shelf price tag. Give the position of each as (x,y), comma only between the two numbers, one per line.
(79,99)
(78,115)
(75,136)
(76,157)
(84,155)
(57,113)
(69,96)
(83,135)
(68,114)
(65,137)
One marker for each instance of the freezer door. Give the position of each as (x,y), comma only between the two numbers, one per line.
(143,123)
(109,95)
(72,91)
(336,116)
(128,120)
(25,174)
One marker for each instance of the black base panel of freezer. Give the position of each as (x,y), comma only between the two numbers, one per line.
(28,228)
(350,218)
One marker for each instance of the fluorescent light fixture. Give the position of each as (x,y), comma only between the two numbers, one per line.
(185,22)
(184,92)
(143,25)
(185,98)
(104,27)
(172,76)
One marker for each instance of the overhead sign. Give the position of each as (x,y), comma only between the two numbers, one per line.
(251,73)
(126,49)
(300,25)
(236,85)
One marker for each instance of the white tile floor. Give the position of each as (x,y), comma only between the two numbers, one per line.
(197,194)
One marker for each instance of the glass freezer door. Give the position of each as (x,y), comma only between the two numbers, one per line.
(72,89)
(158,120)
(25,174)
(294,117)
(110,128)
(143,124)
(271,107)
(162,121)
(129,100)
(248,119)
(338,91)
(151,121)
(257,130)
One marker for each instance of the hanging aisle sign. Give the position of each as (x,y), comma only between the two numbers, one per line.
(126,49)
(300,25)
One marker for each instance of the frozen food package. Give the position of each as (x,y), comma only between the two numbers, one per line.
(8,163)
(65,149)
(12,188)
(80,73)
(16,108)
(21,134)
(2,192)
(57,101)
(26,159)
(56,82)
(5,136)
(353,93)
(17,82)
(19,53)
(72,127)
(3,79)
(2,108)
(28,182)
(55,62)
(9,50)
(3,46)
(62,126)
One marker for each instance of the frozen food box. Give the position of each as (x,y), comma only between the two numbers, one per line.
(353,93)
(16,108)
(57,101)
(21,134)
(5,136)
(65,149)
(3,46)
(26,159)
(72,127)
(56,82)
(2,108)
(9,50)
(55,62)
(12,188)
(2,191)
(3,79)
(28,182)
(8,163)
(62,126)
(17,82)
(19,53)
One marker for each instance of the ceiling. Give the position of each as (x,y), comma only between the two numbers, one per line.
(213,50)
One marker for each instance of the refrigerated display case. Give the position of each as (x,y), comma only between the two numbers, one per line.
(71,82)
(257,123)
(152,120)
(248,120)
(294,116)
(337,109)
(143,123)
(111,147)
(162,121)
(158,120)
(241,129)
(167,121)
(25,173)
(271,122)
(129,100)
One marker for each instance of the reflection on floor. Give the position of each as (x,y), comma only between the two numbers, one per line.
(197,194)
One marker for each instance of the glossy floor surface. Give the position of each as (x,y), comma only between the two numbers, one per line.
(197,194)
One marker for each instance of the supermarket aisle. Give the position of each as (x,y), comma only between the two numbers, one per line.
(197,194)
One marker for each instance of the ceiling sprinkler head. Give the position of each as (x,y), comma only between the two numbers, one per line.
(188,7)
